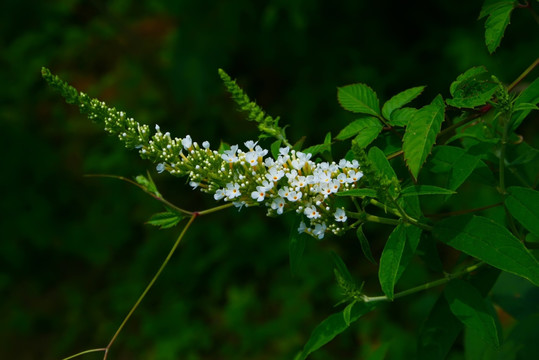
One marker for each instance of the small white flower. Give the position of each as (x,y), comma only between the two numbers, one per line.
(230,155)
(194,184)
(250,145)
(187,142)
(284,192)
(302,228)
(260,152)
(284,151)
(232,190)
(311,212)
(278,204)
(251,158)
(274,174)
(294,196)
(160,167)
(219,194)
(206,144)
(340,215)
(259,194)
(319,230)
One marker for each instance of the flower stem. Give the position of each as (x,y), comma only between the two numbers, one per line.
(523,75)
(84,352)
(425,286)
(148,287)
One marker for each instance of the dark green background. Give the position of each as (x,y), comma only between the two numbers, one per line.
(74,252)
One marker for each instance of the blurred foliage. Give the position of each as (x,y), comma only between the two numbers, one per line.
(74,253)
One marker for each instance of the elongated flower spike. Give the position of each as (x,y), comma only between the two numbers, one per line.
(290,182)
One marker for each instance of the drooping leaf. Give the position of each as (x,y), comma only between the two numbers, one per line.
(358,193)
(472,88)
(165,220)
(359,98)
(421,133)
(490,242)
(499,14)
(441,328)
(523,204)
(401,117)
(425,190)
(357,126)
(530,95)
(401,99)
(365,246)
(333,326)
(469,306)
(341,268)
(396,255)
(296,246)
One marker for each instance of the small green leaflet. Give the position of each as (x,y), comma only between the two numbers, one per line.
(366,129)
(421,133)
(425,190)
(165,220)
(490,242)
(359,98)
(275,146)
(148,184)
(530,95)
(499,15)
(523,204)
(397,253)
(469,306)
(321,148)
(401,117)
(401,99)
(358,193)
(365,246)
(332,326)
(472,88)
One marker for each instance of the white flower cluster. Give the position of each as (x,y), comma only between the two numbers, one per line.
(291,182)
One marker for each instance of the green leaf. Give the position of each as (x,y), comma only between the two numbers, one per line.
(321,148)
(359,98)
(296,247)
(365,246)
(147,183)
(383,168)
(530,95)
(357,126)
(396,255)
(523,204)
(165,220)
(441,328)
(525,106)
(401,117)
(341,268)
(368,133)
(468,305)
(401,99)
(456,162)
(333,326)
(497,21)
(420,134)
(472,88)
(358,193)
(347,313)
(275,146)
(425,190)
(490,242)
